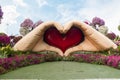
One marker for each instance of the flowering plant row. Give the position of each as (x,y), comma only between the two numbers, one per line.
(8,64)
(110,60)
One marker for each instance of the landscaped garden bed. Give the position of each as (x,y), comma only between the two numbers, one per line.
(17,61)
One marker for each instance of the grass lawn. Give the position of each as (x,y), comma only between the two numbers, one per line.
(62,70)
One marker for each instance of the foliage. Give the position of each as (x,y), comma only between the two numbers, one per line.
(6,51)
(118,48)
(2,70)
(119,27)
(3,34)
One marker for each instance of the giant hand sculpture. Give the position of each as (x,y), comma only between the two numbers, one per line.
(74,36)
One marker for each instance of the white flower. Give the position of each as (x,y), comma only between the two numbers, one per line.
(103,29)
(24,30)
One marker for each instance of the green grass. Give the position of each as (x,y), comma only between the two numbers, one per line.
(62,70)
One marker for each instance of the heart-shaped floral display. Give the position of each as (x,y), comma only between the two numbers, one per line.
(63,41)
(51,36)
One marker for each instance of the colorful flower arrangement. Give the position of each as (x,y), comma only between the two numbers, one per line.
(11,63)
(98,24)
(17,61)
(27,25)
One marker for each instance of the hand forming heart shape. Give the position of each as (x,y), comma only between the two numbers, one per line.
(74,36)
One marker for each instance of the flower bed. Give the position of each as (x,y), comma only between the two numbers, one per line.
(12,63)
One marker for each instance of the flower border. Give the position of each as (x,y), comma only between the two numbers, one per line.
(18,61)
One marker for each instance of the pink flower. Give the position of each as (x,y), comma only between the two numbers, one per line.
(113,60)
(27,23)
(37,23)
(98,21)
(87,22)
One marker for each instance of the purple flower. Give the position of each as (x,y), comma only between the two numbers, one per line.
(37,23)
(27,23)
(98,21)
(4,40)
(7,63)
(90,58)
(111,35)
(113,60)
(1,13)
(117,43)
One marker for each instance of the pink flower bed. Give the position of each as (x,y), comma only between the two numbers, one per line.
(8,64)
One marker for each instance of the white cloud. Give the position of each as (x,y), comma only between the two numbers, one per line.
(9,17)
(3,28)
(66,14)
(42,2)
(10,14)
(20,3)
(109,12)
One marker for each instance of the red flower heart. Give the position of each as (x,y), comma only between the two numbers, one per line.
(63,41)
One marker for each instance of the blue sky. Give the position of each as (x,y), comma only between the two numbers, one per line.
(62,11)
